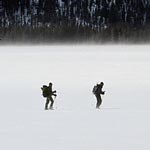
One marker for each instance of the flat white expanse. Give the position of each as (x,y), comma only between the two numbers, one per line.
(122,123)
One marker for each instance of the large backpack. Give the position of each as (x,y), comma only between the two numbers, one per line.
(45,91)
(94,89)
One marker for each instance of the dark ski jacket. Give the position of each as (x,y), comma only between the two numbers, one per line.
(99,90)
(50,92)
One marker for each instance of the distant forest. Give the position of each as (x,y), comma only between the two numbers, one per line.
(75,20)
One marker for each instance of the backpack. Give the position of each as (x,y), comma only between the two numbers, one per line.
(45,91)
(94,89)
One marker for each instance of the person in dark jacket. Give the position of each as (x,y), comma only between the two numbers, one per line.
(49,97)
(98,93)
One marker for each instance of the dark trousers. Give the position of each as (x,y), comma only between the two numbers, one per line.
(99,100)
(49,99)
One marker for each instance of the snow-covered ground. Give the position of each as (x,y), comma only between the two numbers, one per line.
(122,123)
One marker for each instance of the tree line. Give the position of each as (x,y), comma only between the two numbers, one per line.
(97,15)
(94,13)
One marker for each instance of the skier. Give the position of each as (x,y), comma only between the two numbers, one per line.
(97,91)
(48,93)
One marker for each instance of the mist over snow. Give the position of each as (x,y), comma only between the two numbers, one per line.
(74,124)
